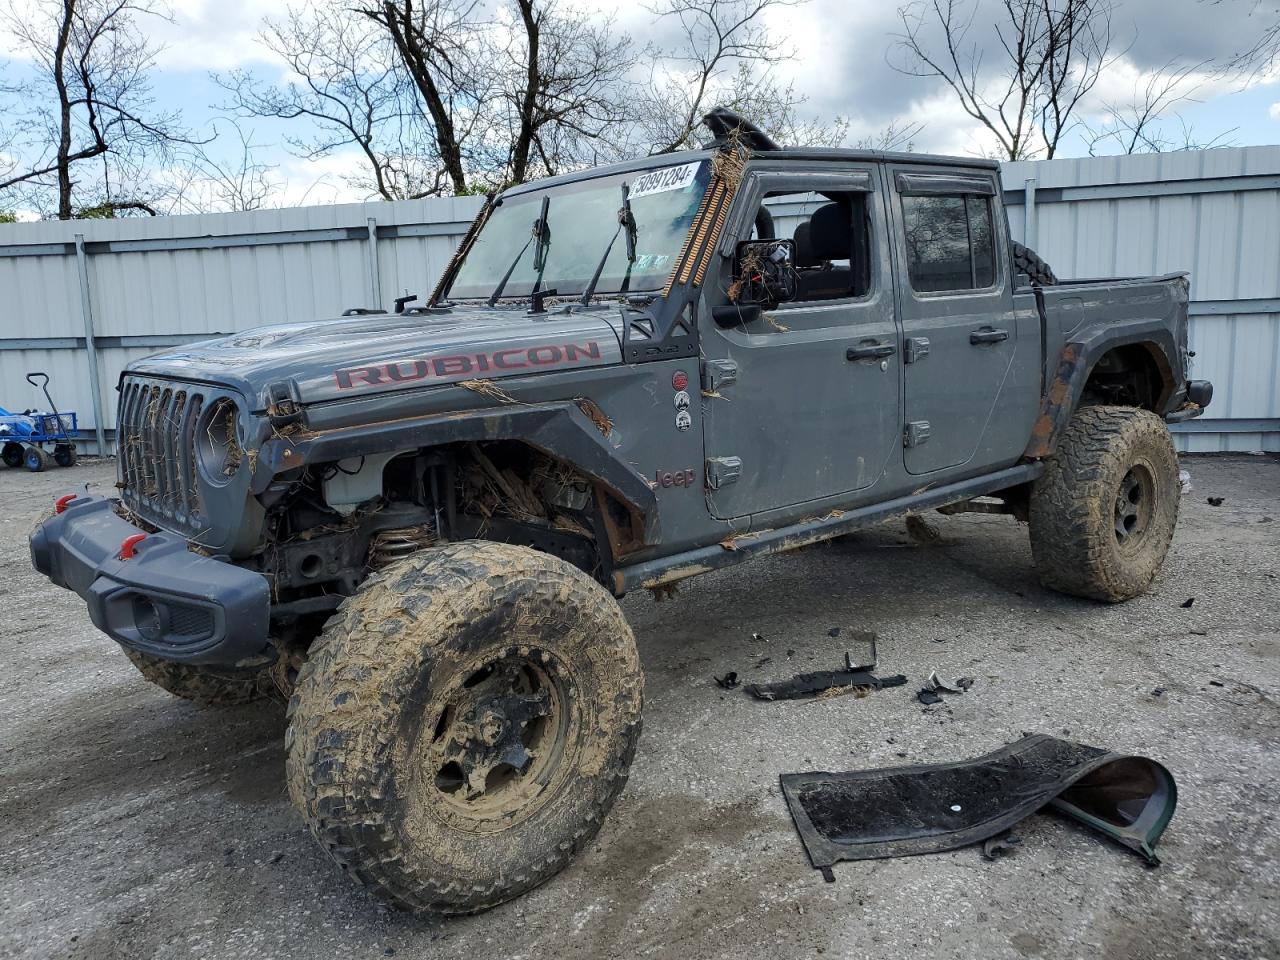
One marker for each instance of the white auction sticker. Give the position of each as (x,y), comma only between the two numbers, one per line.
(668,178)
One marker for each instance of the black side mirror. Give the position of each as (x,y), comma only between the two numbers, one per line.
(764,272)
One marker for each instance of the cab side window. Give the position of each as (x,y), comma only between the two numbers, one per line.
(832,237)
(950,245)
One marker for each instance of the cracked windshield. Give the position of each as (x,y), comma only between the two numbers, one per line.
(586,224)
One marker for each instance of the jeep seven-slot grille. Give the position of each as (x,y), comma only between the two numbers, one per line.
(155,430)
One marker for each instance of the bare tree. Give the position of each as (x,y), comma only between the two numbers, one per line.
(1053,53)
(437,43)
(347,80)
(565,86)
(1138,125)
(897,136)
(724,57)
(1261,57)
(229,182)
(85,128)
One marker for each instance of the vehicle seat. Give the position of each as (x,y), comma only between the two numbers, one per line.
(827,236)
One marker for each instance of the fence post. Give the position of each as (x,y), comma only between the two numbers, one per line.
(91,346)
(375,287)
(1030,226)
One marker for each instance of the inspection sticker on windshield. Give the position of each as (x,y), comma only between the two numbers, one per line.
(668,178)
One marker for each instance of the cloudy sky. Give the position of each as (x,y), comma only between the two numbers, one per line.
(843,49)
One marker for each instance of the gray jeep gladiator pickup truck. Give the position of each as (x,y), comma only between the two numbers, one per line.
(414,525)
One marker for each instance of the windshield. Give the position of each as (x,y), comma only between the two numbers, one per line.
(582,220)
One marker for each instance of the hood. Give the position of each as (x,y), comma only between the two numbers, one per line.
(358,356)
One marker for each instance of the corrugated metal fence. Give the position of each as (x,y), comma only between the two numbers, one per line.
(130,287)
(1215,213)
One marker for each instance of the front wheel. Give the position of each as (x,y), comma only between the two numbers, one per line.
(1103,512)
(464,723)
(12,454)
(36,460)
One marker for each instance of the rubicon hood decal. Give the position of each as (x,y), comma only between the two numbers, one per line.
(359,356)
(459,366)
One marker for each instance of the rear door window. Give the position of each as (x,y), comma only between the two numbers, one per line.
(950,246)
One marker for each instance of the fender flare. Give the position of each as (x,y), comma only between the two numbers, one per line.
(1079,356)
(561,430)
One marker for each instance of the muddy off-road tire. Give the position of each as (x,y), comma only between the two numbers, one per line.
(210,686)
(1103,512)
(463,724)
(1026,260)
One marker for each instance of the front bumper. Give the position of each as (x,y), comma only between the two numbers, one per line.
(164,601)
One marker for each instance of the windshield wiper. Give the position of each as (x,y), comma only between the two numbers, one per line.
(626,222)
(542,234)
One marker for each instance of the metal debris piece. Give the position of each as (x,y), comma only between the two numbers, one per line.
(902,811)
(937,685)
(866,660)
(729,681)
(833,632)
(759,638)
(1188,603)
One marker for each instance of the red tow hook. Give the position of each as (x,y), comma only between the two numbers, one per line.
(60,505)
(128,544)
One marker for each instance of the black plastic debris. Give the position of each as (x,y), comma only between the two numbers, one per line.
(1004,845)
(729,681)
(759,638)
(928,697)
(909,810)
(812,684)
(833,632)
(1188,603)
(1216,501)
(855,675)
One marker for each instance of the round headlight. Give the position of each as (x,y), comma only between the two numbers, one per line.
(217,442)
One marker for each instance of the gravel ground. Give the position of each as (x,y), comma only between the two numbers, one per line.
(134,825)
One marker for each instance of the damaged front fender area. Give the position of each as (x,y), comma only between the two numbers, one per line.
(566,431)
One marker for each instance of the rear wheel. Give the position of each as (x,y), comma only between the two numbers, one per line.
(1103,512)
(64,455)
(12,454)
(210,686)
(464,723)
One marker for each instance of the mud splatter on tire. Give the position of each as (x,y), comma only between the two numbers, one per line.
(1103,512)
(407,682)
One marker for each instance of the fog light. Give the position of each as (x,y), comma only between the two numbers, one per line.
(148,617)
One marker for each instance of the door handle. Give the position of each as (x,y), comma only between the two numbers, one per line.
(988,336)
(871,351)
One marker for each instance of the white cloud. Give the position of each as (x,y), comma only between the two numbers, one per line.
(1275,110)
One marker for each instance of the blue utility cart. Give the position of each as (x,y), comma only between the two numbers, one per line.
(34,438)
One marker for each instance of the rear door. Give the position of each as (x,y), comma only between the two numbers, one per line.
(960,335)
